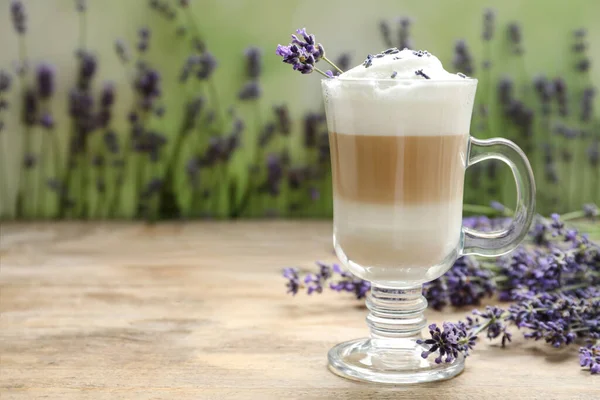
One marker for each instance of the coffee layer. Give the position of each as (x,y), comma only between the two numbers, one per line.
(398,169)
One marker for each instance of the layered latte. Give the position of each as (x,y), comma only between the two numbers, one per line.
(398,128)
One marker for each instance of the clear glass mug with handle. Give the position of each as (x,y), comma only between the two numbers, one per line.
(399,152)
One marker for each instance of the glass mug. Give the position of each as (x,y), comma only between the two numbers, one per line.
(399,152)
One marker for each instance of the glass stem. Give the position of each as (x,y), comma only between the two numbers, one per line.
(396,313)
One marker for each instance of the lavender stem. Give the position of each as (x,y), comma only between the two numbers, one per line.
(332,64)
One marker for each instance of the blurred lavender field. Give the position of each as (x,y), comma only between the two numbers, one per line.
(180,109)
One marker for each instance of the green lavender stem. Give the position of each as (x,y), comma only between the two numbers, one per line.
(4,178)
(24,175)
(41,198)
(332,64)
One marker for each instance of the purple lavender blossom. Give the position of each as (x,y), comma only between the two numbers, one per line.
(81,5)
(30,108)
(589,357)
(5,81)
(18,16)
(515,37)
(462,61)
(144,39)
(591,211)
(404,39)
(386,34)
(250,91)
(253,62)
(349,283)
(587,101)
(302,53)
(45,80)
(489,19)
(107,96)
(449,342)
(88,65)
(46,121)
(283,119)
(496,326)
(207,64)
(293,284)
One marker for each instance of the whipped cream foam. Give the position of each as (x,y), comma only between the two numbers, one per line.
(401,64)
(389,90)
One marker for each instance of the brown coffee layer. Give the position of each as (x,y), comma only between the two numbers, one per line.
(398,169)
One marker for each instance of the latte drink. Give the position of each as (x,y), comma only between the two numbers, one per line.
(399,131)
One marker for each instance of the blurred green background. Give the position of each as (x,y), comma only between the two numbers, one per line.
(55,30)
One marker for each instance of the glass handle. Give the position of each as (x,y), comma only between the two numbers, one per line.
(501,242)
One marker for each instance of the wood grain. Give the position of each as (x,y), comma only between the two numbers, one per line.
(199,311)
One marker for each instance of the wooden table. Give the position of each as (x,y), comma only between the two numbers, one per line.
(199,311)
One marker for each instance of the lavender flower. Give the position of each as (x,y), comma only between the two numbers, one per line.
(464,284)
(349,283)
(45,80)
(404,40)
(515,37)
(589,357)
(284,122)
(17,12)
(303,53)
(315,282)
(495,325)
(144,39)
(107,96)
(449,342)
(87,69)
(207,64)
(587,101)
(591,211)
(311,129)
(81,5)
(462,60)
(46,121)
(30,108)
(544,90)
(386,34)
(583,65)
(163,8)
(250,91)
(489,19)
(253,62)
(274,174)
(293,284)
(560,91)
(5,81)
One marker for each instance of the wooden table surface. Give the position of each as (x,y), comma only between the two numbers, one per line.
(199,311)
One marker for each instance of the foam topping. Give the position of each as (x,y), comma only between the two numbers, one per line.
(401,64)
(390,89)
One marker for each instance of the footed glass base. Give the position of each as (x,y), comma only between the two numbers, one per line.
(396,361)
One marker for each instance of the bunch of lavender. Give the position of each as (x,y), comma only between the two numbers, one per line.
(303,53)
(553,281)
